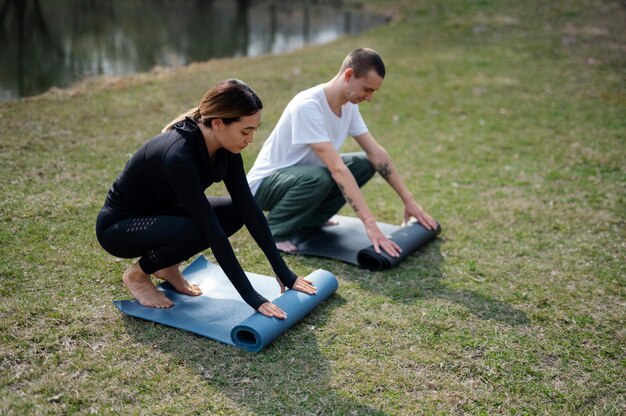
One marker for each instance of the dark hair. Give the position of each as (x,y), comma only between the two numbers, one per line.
(362,61)
(229,100)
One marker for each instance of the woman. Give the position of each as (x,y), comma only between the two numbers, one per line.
(157,210)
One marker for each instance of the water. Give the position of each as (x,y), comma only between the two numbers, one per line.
(55,43)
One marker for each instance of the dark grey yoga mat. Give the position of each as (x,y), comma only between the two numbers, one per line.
(348,242)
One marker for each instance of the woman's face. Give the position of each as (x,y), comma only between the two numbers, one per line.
(236,136)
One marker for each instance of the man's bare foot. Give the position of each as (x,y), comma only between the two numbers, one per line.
(175,278)
(141,287)
(286,246)
(331,221)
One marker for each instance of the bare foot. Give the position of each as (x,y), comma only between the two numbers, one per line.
(141,287)
(331,221)
(175,278)
(286,246)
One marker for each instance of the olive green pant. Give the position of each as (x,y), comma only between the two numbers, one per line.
(306,196)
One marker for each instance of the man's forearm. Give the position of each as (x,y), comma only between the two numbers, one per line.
(351,192)
(388,171)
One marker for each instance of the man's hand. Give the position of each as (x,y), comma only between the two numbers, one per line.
(379,240)
(413,210)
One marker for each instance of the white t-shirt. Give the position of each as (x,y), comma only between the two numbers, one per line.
(307,119)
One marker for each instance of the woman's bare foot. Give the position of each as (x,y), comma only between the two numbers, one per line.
(142,289)
(174,277)
(286,246)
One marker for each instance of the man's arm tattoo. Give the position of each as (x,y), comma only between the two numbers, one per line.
(348,199)
(384,170)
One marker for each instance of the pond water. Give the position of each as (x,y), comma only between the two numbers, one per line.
(45,44)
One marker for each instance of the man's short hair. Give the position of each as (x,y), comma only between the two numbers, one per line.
(362,61)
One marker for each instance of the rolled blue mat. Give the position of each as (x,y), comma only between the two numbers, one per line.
(220,313)
(257,330)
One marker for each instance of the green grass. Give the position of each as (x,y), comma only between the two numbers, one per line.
(508,121)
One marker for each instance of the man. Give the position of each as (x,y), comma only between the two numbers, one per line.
(299,175)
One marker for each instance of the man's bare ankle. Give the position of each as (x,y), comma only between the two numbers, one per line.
(286,246)
(331,221)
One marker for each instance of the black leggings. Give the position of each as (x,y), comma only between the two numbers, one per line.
(160,240)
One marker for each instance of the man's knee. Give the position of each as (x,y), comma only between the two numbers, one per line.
(312,179)
(317,178)
(296,182)
(360,166)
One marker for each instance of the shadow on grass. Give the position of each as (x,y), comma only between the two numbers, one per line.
(421,276)
(290,376)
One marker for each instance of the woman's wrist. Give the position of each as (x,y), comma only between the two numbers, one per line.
(255,301)
(290,281)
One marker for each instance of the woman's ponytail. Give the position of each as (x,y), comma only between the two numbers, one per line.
(193,113)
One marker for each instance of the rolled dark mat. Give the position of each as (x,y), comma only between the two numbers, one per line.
(409,238)
(220,313)
(348,242)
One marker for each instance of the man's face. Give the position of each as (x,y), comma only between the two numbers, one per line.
(359,89)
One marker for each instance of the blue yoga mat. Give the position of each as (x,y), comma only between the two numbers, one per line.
(347,241)
(220,313)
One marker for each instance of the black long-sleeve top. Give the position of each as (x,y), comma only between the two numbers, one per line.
(175,168)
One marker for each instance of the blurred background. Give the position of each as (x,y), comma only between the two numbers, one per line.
(45,44)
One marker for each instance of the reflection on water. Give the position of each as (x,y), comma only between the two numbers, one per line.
(56,43)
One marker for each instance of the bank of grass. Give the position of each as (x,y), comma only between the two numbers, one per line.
(506,118)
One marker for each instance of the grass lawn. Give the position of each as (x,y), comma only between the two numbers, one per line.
(508,121)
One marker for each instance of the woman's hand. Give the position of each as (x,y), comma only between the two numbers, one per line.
(379,240)
(301,285)
(272,311)
(305,286)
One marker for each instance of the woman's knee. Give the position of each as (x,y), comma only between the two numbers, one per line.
(227,214)
(133,237)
